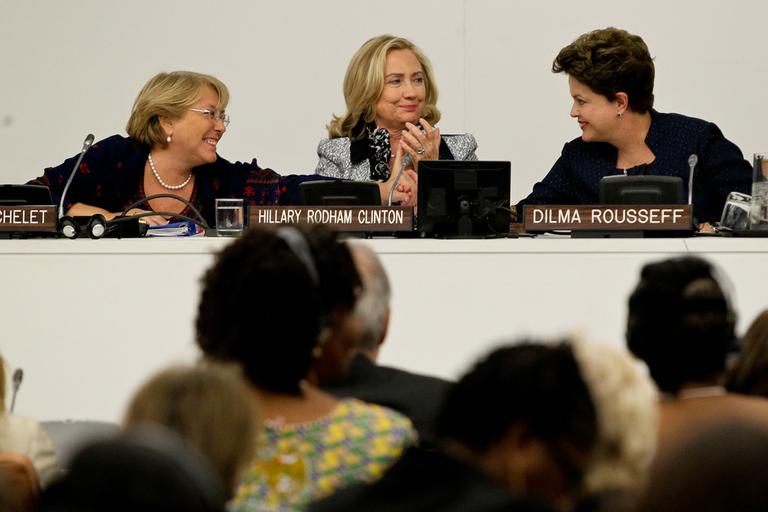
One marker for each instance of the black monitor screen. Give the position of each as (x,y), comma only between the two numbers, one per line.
(641,190)
(464,198)
(340,193)
(21,195)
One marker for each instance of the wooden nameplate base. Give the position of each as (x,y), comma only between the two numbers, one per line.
(611,220)
(28,219)
(341,218)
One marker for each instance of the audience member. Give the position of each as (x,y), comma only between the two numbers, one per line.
(209,408)
(268,303)
(518,426)
(19,486)
(26,436)
(627,413)
(417,396)
(720,469)
(682,325)
(749,375)
(150,469)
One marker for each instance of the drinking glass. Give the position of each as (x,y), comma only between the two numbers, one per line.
(230,217)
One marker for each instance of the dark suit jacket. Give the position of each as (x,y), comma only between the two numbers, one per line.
(417,396)
(111,176)
(424,480)
(673,138)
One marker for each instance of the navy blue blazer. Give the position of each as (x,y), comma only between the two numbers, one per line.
(111,177)
(672,138)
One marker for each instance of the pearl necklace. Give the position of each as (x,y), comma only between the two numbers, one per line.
(164,184)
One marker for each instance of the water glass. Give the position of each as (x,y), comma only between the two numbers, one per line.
(230,217)
(759,210)
(736,212)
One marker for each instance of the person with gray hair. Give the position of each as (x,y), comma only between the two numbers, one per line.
(626,403)
(374,307)
(417,396)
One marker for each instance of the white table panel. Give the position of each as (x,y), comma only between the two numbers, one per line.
(90,320)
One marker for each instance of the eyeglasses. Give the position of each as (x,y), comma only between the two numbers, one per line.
(213,115)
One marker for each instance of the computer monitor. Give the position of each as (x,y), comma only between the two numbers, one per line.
(25,195)
(645,189)
(340,193)
(463,199)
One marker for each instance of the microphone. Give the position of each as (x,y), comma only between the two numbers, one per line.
(692,161)
(70,227)
(406,161)
(86,146)
(18,376)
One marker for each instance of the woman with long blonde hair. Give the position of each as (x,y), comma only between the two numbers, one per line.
(391,97)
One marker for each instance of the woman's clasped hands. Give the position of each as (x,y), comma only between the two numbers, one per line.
(421,142)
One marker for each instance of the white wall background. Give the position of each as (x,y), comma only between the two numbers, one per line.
(74,67)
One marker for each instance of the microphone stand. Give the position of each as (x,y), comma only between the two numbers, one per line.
(86,146)
(406,161)
(692,161)
(18,376)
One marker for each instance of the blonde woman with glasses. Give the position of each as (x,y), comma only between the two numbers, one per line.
(175,126)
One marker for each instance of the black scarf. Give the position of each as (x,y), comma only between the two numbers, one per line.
(374,147)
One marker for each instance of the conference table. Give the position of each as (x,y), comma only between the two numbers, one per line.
(89,320)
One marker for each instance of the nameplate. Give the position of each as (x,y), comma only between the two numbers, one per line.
(28,218)
(657,217)
(341,218)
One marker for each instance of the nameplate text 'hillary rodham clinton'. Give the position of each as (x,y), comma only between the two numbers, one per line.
(657,217)
(28,218)
(341,218)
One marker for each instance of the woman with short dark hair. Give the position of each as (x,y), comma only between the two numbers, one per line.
(681,324)
(610,76)
(516,432)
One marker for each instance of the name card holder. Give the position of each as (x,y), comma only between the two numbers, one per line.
(28,219)
(605,221)
(361,219)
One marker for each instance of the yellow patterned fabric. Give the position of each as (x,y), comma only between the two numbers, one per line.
(301,462)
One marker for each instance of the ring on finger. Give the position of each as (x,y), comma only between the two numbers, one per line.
(421,150)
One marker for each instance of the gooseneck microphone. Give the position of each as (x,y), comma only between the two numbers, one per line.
(692,161)
(406,161)
(87,143)
(18,376)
